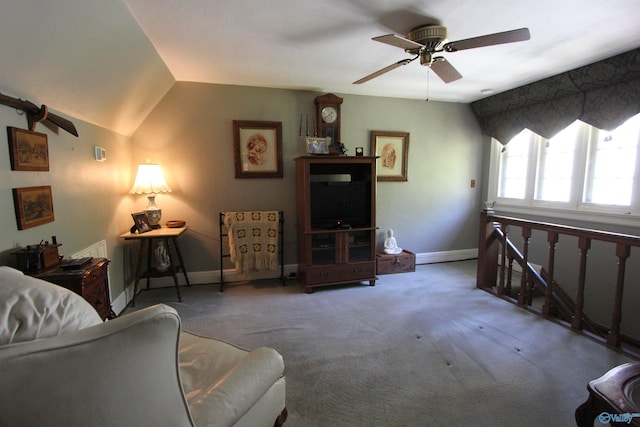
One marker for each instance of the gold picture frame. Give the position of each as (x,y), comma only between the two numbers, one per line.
(28,150)
(33,206)
(257,149)
(393,150)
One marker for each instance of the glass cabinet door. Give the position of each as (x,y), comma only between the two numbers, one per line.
(323,249)
(341,247)
(360,246)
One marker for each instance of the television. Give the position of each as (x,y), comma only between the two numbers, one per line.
(337,204)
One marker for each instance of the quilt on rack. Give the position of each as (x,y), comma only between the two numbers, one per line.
(253,239)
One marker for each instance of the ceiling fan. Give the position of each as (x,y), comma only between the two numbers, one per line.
(426,40)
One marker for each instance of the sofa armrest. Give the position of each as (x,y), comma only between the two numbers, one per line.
(221,381)
(120,373)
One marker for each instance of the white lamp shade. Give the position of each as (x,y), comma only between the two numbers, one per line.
(149,180)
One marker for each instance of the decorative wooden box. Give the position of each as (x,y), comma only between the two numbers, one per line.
(37,257)
(403,262)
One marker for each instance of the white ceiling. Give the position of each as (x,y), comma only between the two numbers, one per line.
(110,62)
(326,44)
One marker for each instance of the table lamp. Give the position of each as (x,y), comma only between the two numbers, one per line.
(149,181)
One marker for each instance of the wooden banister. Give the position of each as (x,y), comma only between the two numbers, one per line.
(497,252)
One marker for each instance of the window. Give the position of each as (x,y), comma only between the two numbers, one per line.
(514,163)
(612,165)
(581,168)
(555,172)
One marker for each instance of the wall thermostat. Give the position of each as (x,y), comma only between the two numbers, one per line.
(359,151)
(101,154)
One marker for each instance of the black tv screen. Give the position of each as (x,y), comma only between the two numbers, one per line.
(348,202)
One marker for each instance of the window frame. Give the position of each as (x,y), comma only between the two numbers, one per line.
(575,208)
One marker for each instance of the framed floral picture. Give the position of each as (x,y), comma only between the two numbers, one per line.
(28,150)
(257,149)
(33,205)
(393,150)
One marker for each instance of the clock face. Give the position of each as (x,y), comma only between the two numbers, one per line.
(329,114)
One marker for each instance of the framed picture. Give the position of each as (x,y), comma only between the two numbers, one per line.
(34,206)
(393,150)
(28,150)
(141,222)
(257,149)
(316,145)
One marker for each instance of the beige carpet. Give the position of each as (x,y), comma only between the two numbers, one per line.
(418,349)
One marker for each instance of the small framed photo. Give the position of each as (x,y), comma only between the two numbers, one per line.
(257,149)
(29,151)
(33,205)
(316,145)
(393,150)
(141,222)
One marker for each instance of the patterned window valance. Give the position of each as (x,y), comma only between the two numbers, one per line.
(604,94)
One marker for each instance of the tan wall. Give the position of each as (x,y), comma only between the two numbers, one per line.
(190,135)
(89,198)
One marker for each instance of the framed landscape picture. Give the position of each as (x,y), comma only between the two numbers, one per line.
(393,150)
(33,205)
(28,151)
(257,149)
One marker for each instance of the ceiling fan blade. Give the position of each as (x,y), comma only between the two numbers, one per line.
(397,41)
(512,36)
(62,123)
(384,70)
(445,70)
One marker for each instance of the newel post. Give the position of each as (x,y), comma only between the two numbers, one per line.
(488,249)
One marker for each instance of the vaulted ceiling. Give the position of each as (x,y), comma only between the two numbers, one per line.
(110,62)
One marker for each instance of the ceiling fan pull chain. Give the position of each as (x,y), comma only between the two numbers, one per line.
(428,80)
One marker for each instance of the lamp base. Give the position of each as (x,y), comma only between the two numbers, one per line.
(154,213)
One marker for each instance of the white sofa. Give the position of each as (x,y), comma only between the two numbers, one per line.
(61,365)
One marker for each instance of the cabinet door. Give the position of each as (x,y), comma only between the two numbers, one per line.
(360,246)
(341,247)
(323,249)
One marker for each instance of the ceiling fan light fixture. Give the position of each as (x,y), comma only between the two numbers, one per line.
(426,58)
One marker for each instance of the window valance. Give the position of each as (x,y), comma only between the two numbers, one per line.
(604,94)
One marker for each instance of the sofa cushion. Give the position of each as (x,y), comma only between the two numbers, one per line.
(31,308)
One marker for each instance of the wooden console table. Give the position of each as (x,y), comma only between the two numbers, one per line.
(170,238)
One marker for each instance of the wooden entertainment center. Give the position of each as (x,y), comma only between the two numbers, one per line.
(336,209)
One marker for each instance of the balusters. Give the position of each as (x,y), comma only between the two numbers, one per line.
(552,238)
(622,252)
(503,256)
(523,297)
(584,243)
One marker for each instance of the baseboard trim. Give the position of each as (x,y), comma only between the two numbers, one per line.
(290,271)
(446,256)
(200,278)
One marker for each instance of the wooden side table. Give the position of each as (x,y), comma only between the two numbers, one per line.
(90,281)
(170,238)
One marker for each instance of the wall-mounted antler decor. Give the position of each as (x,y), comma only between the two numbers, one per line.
(37,114)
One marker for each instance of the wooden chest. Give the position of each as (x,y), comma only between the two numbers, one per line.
(89,281)
(401,263)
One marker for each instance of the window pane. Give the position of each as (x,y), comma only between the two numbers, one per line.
(612,164)
(514,162)
(556,165)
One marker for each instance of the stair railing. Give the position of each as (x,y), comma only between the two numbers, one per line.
(497,254)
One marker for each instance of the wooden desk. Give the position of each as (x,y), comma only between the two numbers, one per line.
(170,237)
